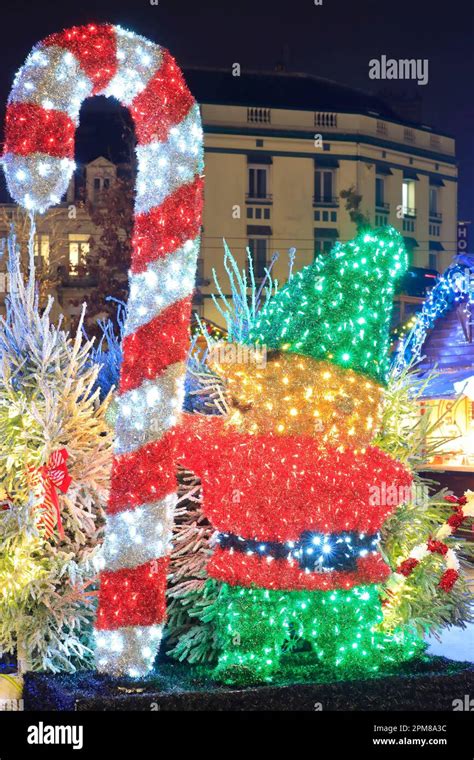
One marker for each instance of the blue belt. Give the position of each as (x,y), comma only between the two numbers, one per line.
(314,552)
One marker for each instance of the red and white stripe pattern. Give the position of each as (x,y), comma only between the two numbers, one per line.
(42,116)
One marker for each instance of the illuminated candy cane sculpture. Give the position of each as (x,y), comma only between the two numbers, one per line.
(42,116)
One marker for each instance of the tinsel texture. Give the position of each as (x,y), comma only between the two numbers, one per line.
(42,116)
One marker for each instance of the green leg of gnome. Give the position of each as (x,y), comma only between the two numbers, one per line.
(252,631)
(325,635)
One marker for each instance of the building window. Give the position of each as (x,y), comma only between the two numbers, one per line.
(379,192)
(258,212)
(409,135)
(382,128)
(324,186)
(258,176)
(434,211)
(432,261)
(324,240)
(408,197)
(259,249)
(100,184)
(79,247)
(42,249)
(435,230)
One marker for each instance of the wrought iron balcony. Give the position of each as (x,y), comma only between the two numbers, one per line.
(76,277)
(325,200)
(258,198)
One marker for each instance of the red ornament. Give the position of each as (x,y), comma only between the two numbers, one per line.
(451,499)
(456,520)
(437,547)
(448,579)
(54,475)
(407,566)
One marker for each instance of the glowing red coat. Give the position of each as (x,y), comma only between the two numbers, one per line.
(274,489)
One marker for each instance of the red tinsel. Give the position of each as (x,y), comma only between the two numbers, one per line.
(275,487)
(95,48)
(144,476)
(133,596)
(33,129)
(245,570)
(407,566)
(448,579)
(167,227)
(168,336)
(166,94)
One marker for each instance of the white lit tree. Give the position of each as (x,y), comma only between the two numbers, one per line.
(55,451)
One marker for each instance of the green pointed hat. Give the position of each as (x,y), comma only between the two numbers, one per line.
(338,309)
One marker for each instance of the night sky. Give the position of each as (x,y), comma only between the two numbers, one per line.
(335,40)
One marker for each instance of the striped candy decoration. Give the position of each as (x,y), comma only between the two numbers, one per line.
(42,116)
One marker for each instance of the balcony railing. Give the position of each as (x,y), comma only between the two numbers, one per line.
(325,200)
(409,213)
(435,216)
(380,206)
(261,198)
(259,115)
(76,277)
(325,119)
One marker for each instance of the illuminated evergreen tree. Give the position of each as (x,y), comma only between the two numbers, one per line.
(55,450)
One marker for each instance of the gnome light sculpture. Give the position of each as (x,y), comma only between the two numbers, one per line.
(289,476)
